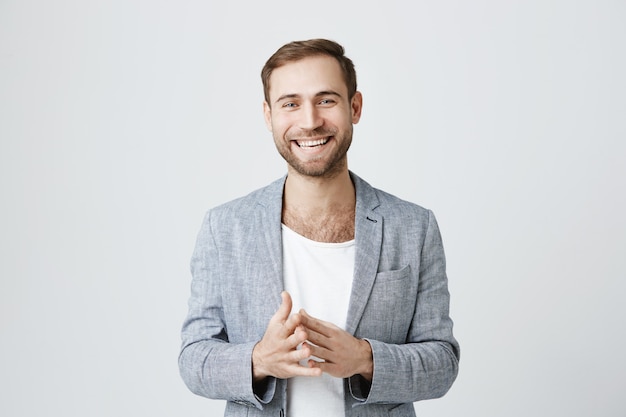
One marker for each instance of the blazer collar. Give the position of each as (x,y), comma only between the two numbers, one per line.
(368,225)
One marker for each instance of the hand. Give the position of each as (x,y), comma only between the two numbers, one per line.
(344,355)
(276,355)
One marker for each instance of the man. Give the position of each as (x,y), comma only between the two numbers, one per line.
(318,295)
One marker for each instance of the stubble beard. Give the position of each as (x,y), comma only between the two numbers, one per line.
(335,164)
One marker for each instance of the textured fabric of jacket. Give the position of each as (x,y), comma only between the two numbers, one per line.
(399,303)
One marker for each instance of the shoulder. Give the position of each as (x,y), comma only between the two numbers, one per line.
(402,219)
(267,196)
(237,220)
(393,203)
(387,204)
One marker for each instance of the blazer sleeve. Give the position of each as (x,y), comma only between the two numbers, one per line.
(427,364)
(209,364)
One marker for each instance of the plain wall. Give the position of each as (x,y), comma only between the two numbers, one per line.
(122,122)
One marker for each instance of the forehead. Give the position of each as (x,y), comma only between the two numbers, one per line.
(307,77)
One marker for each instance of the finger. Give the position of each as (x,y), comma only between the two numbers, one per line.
(319,352)
(284,310)
(292,323)
(317,364)
(320,326)
(301,354)
(318,338)
(327,367)
(296,337)
(299,370)
(331,368)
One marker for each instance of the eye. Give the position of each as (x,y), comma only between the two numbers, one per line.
(290,105)
(327,101)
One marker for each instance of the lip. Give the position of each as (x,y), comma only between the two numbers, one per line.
(310,143)
(311,150)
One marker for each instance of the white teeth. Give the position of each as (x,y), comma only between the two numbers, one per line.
(311,143)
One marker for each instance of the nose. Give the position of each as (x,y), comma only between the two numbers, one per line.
(310,117)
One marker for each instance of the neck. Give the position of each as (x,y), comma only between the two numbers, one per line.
(318,194)
(321,209)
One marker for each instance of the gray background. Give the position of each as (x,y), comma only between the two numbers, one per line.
(122,122)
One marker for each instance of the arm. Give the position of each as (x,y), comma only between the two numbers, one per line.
(210,363)
(422,367)
(427,364)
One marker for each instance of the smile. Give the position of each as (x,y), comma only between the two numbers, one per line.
(312,143)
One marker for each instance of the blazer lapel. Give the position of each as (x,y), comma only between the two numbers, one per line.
(268,224)
(368,240)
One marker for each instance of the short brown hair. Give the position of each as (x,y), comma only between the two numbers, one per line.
(297,50)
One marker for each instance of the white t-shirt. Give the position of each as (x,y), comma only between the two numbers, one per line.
(318,276)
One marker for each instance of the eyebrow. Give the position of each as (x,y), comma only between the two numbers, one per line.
(319,94)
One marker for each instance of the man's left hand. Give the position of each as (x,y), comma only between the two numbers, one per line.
(344,355)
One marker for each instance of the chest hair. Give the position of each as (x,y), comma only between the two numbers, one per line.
(334,226)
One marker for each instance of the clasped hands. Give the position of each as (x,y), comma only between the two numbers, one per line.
(277,354)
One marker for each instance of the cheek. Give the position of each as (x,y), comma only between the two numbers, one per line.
(281,124)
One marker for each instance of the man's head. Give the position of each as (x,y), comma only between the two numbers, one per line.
(298,50)
(310,107)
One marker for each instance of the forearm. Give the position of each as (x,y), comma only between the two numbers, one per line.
(218,370)
(408,373)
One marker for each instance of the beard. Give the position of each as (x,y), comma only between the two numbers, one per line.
(326,166)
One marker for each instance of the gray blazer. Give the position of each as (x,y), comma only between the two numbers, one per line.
(399,303)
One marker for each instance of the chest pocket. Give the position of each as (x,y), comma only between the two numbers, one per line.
(390,308)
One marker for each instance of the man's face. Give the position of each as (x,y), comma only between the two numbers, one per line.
(310,115)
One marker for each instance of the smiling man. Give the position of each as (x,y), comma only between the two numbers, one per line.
(318,295)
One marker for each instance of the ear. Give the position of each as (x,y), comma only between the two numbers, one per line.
(267,113)
(356,105)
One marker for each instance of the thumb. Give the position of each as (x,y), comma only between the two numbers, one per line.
(282,314)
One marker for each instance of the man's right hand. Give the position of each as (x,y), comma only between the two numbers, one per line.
(277,354)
